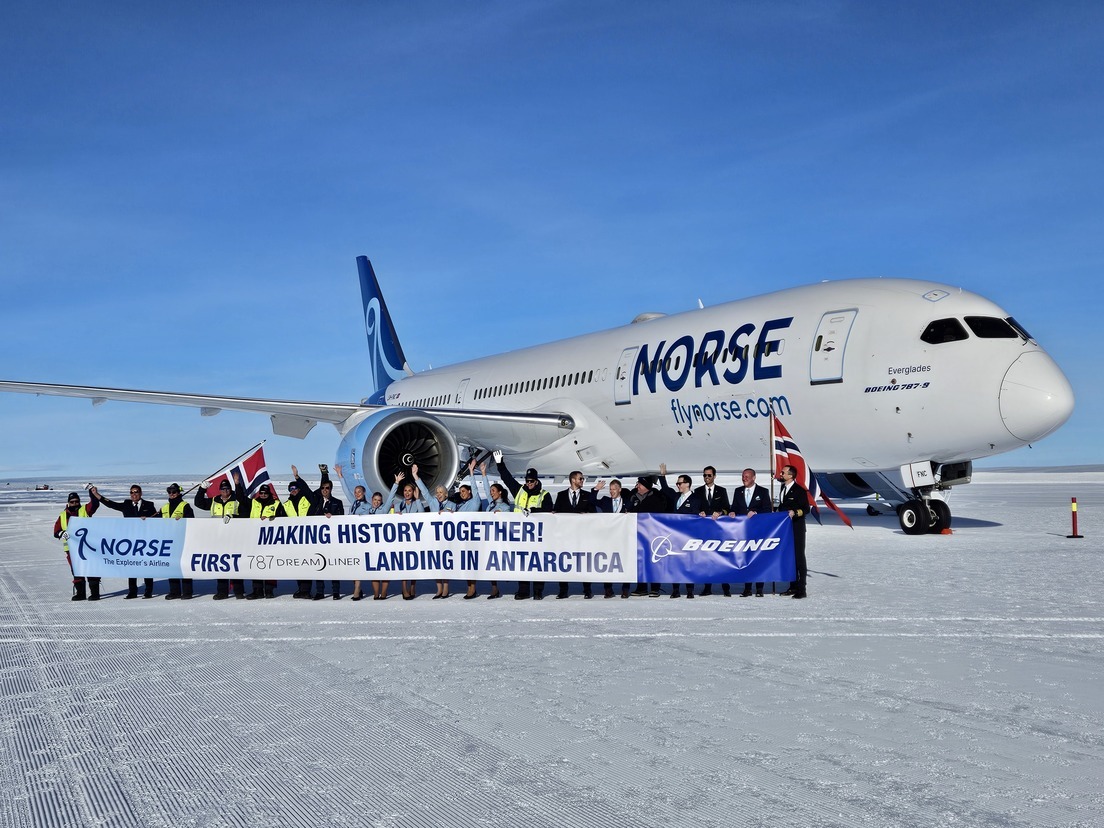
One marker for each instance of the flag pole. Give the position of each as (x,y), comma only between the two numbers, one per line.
(770,451)
(225,466)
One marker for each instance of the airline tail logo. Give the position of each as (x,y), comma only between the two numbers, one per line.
(385,355)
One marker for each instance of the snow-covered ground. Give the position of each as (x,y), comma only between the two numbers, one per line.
(934,680)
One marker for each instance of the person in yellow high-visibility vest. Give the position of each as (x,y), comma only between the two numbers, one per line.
(261,507)
(74,509)
(528,497)
(176,509)
(224,506)
(298,504)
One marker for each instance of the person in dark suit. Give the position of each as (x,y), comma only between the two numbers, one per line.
(795,500)
(644,498)
(681,501)
(615,504)
(748,501)
(714,504)
(325,504)
(136,507)
(574,500)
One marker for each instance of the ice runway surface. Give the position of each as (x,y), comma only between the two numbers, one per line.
(933,680)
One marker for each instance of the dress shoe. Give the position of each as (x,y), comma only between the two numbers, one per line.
(471,595)
(789,591)
(640,590)
(172,597)
(132,594)
(561,594)
(624,592)
(653,593)
(759,593)
(336,596)
(689,592)
(800,595)
(675,592)
(521,596)
(318,597)
(746,593)
(493,595)
(148,593)
(706,590)
(361,597)
(607,592)
(587,593)
(219,596)
(727,591)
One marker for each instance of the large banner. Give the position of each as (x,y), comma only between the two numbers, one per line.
(463,546)
(677,549)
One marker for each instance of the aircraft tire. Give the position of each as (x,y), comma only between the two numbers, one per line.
(870,510)
(913,517)
(941,516)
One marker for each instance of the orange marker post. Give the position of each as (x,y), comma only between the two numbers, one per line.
(1073,511)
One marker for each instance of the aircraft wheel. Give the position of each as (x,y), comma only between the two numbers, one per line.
(870,510)
(914,518)
(941,516)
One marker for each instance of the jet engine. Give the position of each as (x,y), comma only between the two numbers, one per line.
(392,440)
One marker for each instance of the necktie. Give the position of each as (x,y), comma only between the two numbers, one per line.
(574,499)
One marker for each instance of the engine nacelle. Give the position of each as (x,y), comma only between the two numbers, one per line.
(392,440)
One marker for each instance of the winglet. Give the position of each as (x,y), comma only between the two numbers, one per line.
(386,361)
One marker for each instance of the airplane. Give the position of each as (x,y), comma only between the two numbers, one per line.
(891,387)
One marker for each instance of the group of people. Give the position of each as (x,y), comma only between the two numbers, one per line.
(410,495)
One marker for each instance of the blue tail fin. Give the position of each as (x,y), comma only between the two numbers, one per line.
(386,361)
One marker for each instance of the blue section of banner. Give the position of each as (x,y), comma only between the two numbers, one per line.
(121,548)
(676,549)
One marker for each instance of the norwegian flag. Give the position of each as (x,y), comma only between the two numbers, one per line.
(253,473)
(786,453)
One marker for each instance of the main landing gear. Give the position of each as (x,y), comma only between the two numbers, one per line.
(924,516)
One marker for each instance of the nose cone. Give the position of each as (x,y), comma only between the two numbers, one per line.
(1035,397)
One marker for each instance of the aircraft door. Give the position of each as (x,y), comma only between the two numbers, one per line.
(829,346)
(460,391)
(622,379)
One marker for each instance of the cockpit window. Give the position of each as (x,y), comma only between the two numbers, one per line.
(1020,329)
(990,327)
(944,330)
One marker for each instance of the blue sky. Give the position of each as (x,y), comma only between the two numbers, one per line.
(183,190)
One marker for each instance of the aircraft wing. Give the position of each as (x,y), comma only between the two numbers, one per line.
(513,431)
(290,418)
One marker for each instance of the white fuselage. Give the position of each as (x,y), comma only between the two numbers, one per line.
(842,363)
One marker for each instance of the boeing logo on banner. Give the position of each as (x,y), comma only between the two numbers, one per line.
(662,547)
